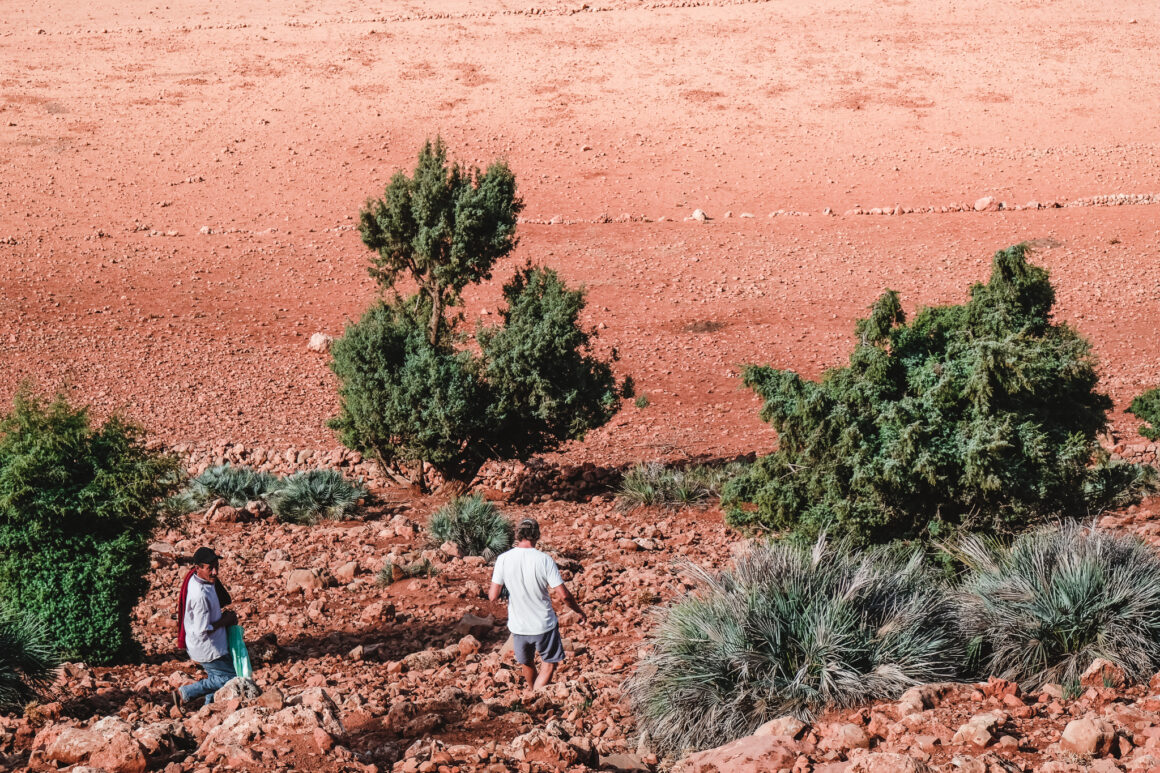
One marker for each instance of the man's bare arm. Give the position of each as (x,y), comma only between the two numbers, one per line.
(561,595)
(493,592)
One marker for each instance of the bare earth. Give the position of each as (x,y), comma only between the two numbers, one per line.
(181,181)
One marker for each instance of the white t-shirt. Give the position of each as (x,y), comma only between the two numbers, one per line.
(202,610)
(528,573)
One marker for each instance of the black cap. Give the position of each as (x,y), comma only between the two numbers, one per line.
(205,556)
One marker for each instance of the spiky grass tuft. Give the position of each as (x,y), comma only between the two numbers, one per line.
(236,485)
(314,495)
(475,526)
(654,483)
(1041,610)
(791,631)
(28,661)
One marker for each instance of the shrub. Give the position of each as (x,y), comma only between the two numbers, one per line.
(1146,407)
(475,526)
(28,662)
(790,632)
(656,484)
(412,391)
(236,485)
(981,416)
(78,505)
(392,572)
(314,495)
(1044,608)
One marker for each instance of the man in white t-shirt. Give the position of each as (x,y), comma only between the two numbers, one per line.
(529,576)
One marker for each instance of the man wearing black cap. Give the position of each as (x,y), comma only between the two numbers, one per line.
(202,629)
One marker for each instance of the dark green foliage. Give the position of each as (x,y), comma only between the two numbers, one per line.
(236,485)
(475,526)
(544,384)
(77,508)
(404,400)
(791,632)
(414,391)
(1044,608)
(977,416)
(314,495)
(444,227)
(28,661)
(676,487)
(1146,407)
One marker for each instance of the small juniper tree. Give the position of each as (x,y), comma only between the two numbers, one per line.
(78,504)
(980,415)
(412,391)
(1146,408)
(444,227)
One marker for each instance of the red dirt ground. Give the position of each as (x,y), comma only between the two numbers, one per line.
(181,181)
(270,124)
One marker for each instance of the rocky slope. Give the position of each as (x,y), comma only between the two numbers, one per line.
(409,672)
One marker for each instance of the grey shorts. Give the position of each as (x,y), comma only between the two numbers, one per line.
(549,645)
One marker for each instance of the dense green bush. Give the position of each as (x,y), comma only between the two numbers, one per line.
(791,632)
(310,496)
(78,504)
(657,484)
(475,525)
(1044,608)
(236,485)
(1146,408)
(981,416)
(28,661)
(413,391)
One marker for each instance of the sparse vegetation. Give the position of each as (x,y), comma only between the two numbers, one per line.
(981,416)
(236,485)
(305,497)
(641,401)
(475,525)
(1044,608)
(313,495)
(413,392)
(78,504)
(654,483)
(28,661)
(1146,408)
(394,572)
(791,631)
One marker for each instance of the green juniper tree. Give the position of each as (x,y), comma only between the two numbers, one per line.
(78,504)
(415,390)
(980,415)
(1146,407)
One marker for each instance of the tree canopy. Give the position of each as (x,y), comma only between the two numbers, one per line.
(983,414)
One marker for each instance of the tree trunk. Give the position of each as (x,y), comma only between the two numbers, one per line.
(419,477)
(436,317)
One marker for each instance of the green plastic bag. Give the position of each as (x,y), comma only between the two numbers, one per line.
(241,657)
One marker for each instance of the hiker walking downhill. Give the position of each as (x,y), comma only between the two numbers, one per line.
(529,575)
(201,627)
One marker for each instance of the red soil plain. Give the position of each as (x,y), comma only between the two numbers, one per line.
(181,182)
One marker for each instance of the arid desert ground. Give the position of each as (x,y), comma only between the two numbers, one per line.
(181,183)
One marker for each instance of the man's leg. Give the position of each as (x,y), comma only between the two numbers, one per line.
(524,651)
(551,649)
(217,673)
(545,674)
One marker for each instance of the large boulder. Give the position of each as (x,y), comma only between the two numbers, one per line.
(751,754)
(1088,737)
